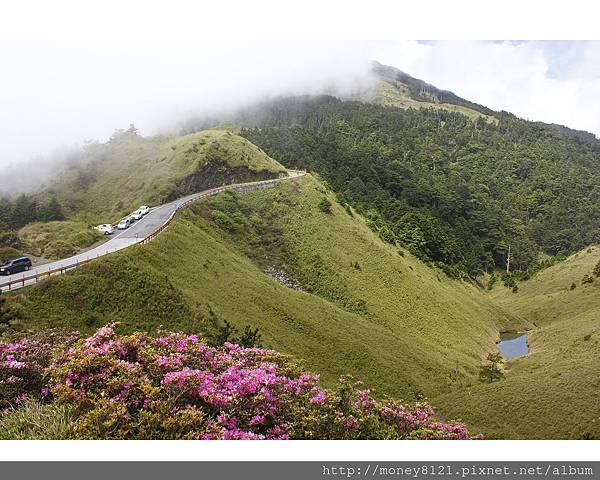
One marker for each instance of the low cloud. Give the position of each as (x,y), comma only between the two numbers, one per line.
(59,94)
(553,82)
(55,94)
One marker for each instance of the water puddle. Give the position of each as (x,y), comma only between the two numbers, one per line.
(513,345)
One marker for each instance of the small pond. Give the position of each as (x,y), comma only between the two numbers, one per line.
(513,345)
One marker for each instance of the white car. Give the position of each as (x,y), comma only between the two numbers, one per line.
(137,215)
(105,228)
(125,223)
(144,209)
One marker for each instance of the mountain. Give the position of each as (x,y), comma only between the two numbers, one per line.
(319,285)
(108,181)
(387,263)
(454,191)
(398,89)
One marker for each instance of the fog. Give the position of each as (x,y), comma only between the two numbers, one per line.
(54,96)
(59,94)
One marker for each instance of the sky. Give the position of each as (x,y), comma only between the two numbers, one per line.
(60,93)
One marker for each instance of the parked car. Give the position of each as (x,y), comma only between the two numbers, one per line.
(144,209)
(137,215)
(105,228)
(125,223)
(17,265)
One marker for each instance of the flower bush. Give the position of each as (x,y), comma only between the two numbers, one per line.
(175,386)
(23,362)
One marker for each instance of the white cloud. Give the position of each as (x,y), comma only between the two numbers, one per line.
(61,93)
(555,82)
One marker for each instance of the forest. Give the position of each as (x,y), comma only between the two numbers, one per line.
(455,192)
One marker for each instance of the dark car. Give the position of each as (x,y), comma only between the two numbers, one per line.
(16,265)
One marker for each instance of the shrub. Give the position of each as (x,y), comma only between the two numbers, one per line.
(573,286)
(175,386)
(227,222)
(387,235)
(493,280)
(8,253)
(229,334)
(324,205)
(12,311)
(10,240)
(23,362)
(587,279)
(508,279)
(596,270)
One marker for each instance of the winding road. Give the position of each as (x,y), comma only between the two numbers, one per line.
(141,231)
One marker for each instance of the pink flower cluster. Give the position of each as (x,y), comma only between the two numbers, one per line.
(177,386)
(23,363)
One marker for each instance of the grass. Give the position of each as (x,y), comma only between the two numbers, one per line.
(554,392)
(115,178)
(56,240)
(386,318)
(36,421)
(8,253)
(398,95)
(119,176)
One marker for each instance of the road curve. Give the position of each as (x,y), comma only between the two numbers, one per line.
(138,232)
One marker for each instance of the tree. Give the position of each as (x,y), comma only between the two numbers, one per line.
(25,210)
(492,372)
(52,211)
(228,333)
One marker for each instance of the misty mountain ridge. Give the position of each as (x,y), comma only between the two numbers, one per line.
(389,86)
(418,90)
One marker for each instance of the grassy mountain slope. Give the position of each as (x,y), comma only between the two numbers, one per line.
(397,94)
(455,191)
(116,177)
(367,310)
(398,89)
(554,392)
(58,239)
(111,180)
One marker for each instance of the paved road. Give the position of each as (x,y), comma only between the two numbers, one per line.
(141,229)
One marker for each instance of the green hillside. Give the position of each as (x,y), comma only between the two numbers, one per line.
(130,170)
(393,87)
(113,179)
(360,306)
(394,93)
(554,392)
(453,191)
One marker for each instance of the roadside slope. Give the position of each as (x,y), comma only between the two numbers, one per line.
(366,309)
(111,180)
(554,392)
(114,178)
